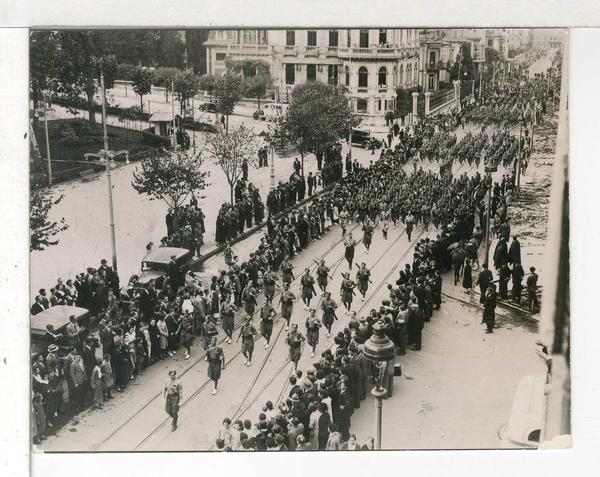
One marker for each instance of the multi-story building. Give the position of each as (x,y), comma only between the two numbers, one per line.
(370,63)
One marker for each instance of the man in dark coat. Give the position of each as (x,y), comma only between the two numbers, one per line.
(500,254)
(517,278)
(312,183)
(483,280)
(514,252)
(489,308)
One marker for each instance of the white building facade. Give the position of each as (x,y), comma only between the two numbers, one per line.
(370,63)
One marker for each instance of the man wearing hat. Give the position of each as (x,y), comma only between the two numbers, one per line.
(532,289)
(173,394)
(489,308)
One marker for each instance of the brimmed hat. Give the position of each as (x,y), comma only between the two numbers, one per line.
(52,348)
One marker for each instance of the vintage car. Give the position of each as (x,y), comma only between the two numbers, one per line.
(363,138)
(527,414)
(155,264)
(208,107)
(57,316)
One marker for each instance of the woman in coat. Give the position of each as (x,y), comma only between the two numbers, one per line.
(324,422)
(467,277)
(163,331)
(96,384)
(107,377)
(174,326)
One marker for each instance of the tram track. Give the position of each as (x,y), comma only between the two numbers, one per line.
(385,279)
(193,365)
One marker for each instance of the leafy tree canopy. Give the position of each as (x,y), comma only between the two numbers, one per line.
(317,117)
(42,230)
(228,90)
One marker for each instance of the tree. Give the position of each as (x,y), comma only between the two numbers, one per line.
(41,228)
(404,100)
(81,58)
(186,86)
(231,150)
(228,90)
(142,82)
(256,76)
(207,83)
(170,177)
(318,117)
(42,63)
(256,87)
(165,77)
(464,62)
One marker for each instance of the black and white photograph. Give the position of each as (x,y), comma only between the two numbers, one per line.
(299,239)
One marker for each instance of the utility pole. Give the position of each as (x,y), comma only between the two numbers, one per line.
(519,160)
(46,110)
(173,139)
(108,177)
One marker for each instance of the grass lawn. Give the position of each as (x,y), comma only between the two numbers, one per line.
(70,139)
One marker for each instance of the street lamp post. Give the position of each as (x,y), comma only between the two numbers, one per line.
(488,168)
(45,111)
(380,350)
(519,159)
(108,155)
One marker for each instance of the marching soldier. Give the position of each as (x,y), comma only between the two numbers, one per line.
(322,275)
(287,269)
(308,288)
(313,324)
(173,394)
(268,315)
(287,305)
(247,334)
(410,222)
(328,306)
(367,233)
(363,276)
(349,244)
(294,341)
(269,279)
(216,363)
(347,291)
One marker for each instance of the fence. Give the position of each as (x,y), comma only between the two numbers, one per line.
(466,88)
(441,98)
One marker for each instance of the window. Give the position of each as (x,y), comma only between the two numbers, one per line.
(311,72)
(363,77)
(349,38)
(361,105)
(311,38)
(432,57)
(431,83)
(332,74)
(221,56)
(382,77)
(347,76)
(401,75)
(382,37)
(408,73)
(290,74)
(333,38)
(378,105)
(364,39)
(290,38)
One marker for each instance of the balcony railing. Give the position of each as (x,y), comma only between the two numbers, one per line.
(289,50)
(332,51)
(437,65)
(362,90)
(311,51)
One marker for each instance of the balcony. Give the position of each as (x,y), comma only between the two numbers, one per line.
(289,50)
(240,49)
(369,53)
(332,51)
(436,65)
(362,90)
(311,51)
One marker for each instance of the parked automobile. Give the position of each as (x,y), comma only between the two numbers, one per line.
(363,138)
(58,317)
(527,414)
(208,107)
(155,264)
